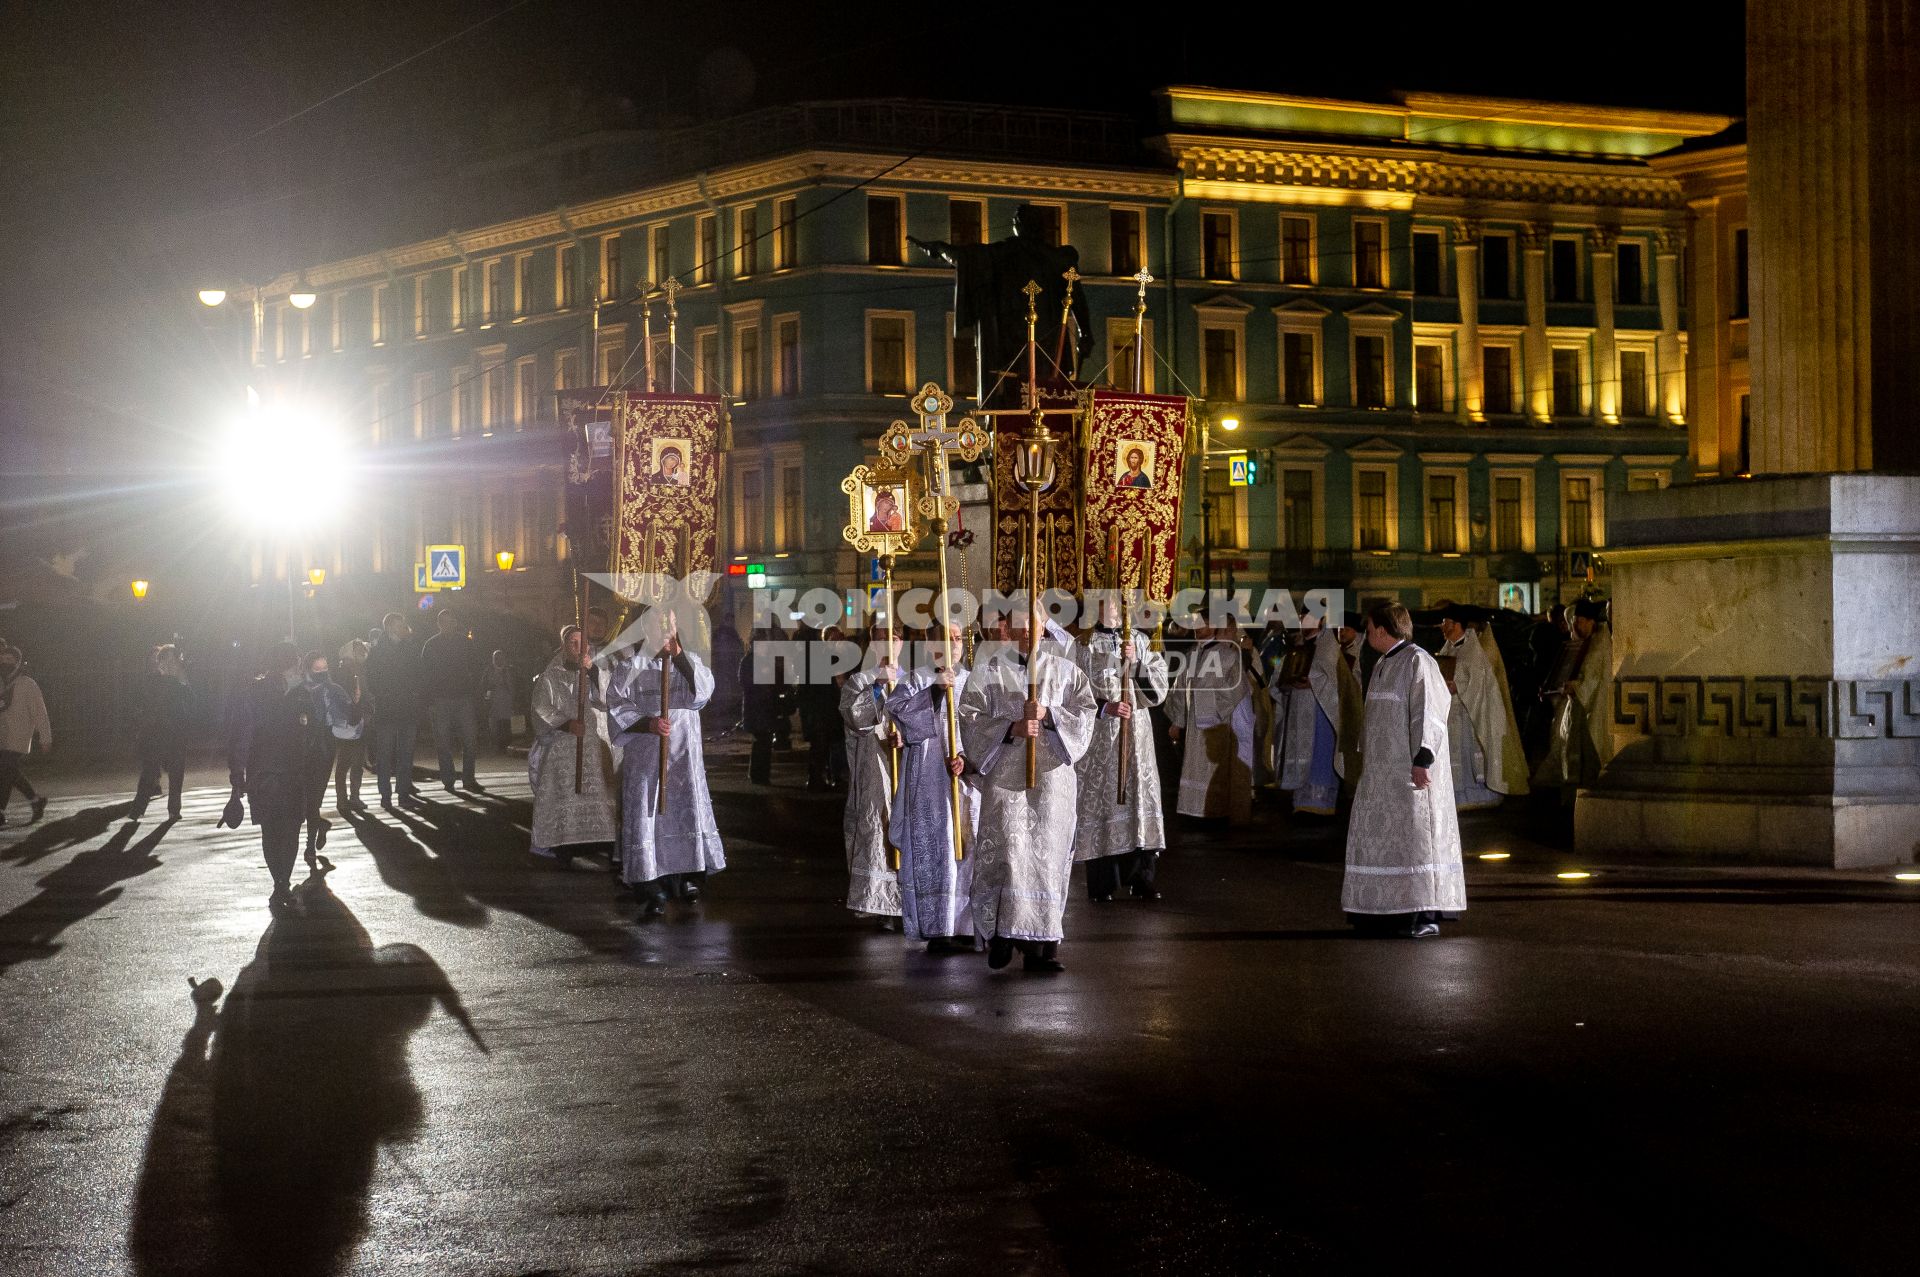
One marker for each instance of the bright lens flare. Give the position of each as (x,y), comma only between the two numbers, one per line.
(1907,877)
(284,468)
(1573,875)
(1496,855)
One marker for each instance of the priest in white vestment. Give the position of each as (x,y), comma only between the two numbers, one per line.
(1488,761)
(1120,842)
(1023,849)
(873,759)
(1403,843)
(1211,711)
(1322,745)
(664,852)
(566,822)
(1581,741)
(936,886)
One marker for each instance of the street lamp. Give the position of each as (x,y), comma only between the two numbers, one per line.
(140,589)
(212,296)
(317,577)
(503,559)
(1229,425)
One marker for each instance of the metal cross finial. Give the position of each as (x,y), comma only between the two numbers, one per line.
(1143,279)
(1072,277)
(672,289)
(1032,290)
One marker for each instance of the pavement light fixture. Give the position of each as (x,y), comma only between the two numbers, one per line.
(140,588)
(1907,877)
(212,296)
(1573,875)
(1496,855)
(503,559)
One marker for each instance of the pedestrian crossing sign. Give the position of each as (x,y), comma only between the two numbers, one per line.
(446,567)
(422,583)
(1238,474)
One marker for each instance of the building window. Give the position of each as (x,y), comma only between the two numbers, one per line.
(493,396)
(746,357)
(306,331)
(1566,381)
(523,284)
(1427,272)
(706,362)
(566,276)
(1633,383)
(566,368)
(660,362)
(1630,258)
(966,222)
(1216,245)
(1296,250)
(963,365)
(661,241)
(790,509)
(1443,514)
(526,392)
(1496,266)
(889,369)
(1296,510)
(750,531)
(1509,513)
(422,321)
(378,331)
(746,226)
(1370,510)
(1496,371)
(1565,267)
(1120,353)
(1222,510)
(786,356)
(1644,483)
(1220,363)
(612,278)
(786,233)
(1429,377)
(1369,370)
(1576,516)
(1299,367)
(461,315)
(460,401)
(883,230)
(493,300)
(423,410)
(336,312)
(1740,298)
(1048,220)
(1125,230)
(707,252)
(1369,253)
(612,359)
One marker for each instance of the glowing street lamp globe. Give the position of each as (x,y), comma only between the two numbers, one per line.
(140,588)
(302,298)
(212,296)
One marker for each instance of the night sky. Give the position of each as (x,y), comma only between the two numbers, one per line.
(149,145)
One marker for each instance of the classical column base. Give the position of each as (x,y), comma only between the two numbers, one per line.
(1766,695)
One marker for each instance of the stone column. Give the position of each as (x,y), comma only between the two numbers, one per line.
(1666,351)
(1833,164)
(1466,281)
(1533,350)
(1606,364)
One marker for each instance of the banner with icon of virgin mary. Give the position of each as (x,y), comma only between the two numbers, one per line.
(667,475)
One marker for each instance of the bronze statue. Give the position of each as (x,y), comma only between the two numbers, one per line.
(987,299)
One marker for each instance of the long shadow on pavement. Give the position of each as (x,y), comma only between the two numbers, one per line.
(262,1148)
(85,884)
(83,826)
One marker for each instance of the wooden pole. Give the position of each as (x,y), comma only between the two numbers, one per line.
(937,458)
(1126,678)
(893,749)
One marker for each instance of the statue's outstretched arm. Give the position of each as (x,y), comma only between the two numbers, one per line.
(935,248)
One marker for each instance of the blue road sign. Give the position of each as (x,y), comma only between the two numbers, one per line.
(447,566)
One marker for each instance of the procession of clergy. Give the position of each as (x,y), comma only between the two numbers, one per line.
(976,788)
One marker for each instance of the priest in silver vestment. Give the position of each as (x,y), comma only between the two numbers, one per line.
(873,758)
(1321,752)
(663,852)
(1023,850)
(936,901)
(1403,843)
(1120,842)
(1211,711)
(1488,762)
(566,822)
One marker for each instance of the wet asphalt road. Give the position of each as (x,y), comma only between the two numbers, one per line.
(462,1060)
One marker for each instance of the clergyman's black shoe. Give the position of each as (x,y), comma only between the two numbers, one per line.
(999,952)
(1422,931)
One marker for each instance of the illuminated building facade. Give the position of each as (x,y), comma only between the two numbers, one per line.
(1449,328)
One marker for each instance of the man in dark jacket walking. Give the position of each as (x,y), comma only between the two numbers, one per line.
(450,673)
(270,760)
(166,720)
(393,679)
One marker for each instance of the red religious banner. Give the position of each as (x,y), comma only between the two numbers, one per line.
(1135,461)
(667,475)
(1060,565)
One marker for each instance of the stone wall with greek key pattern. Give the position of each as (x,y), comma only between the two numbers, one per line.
(1774,707)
